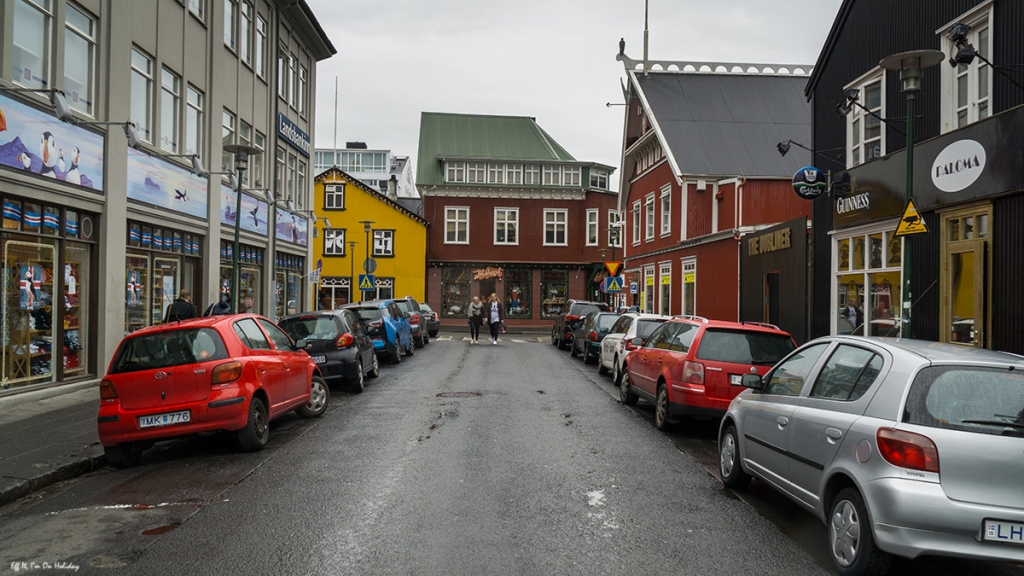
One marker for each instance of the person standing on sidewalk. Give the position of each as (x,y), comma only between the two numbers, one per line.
(476,318)
(495,316)
(181,309)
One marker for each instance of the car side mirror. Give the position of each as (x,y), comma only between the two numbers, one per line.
(753,381)
(300,343)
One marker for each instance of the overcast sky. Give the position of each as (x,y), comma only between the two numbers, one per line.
(550,59)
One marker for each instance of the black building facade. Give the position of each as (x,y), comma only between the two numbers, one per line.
(968,177)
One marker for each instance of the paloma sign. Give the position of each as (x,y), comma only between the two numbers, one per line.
(958,165)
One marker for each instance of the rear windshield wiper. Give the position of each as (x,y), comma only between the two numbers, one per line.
(994,423)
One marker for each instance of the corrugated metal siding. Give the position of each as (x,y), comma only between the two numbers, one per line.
(925,291)
(1007,263)
(717,280)
(698,217)
(771,202)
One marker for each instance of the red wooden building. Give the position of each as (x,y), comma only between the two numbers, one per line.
(701,168)
(511,213)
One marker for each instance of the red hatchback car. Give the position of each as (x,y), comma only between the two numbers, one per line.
(232,373)
(692,366)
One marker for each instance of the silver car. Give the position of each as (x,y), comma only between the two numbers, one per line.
(614,345)
(901,447)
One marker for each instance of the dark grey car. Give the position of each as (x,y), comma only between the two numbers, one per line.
(338,343)
(410,306)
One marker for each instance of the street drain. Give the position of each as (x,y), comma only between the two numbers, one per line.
(457,394)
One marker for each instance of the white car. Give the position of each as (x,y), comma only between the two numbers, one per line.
(614,346)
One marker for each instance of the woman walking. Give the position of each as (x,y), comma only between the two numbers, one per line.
(495,316)
(476,318)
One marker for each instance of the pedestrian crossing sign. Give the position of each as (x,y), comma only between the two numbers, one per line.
(366,282)
(911,222)
(611,284)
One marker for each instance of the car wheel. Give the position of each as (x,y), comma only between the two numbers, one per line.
(849,536)
(359,384)
(418,342)
(411,348)
(562,343)
(426,339)
(626,395)
(375,366)
(396,352)
(554,339)
(124,455)
(572,349)
(256,434)
(732,472)
(320,397)
(616,373)
(433,334)
(588,358)
(601,369)
(661,421)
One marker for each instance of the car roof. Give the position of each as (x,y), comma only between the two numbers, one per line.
(940,352)
(334,312)
(202,322)
(748,326)
(646,316)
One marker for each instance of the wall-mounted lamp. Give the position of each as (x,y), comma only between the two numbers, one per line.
(851,99)
(965,53)
(783,148)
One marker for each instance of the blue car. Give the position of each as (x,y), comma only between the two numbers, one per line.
(387,326)
(587,338)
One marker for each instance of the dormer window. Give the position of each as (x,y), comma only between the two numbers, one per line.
(456,172)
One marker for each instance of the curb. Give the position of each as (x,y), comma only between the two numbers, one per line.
(65,468)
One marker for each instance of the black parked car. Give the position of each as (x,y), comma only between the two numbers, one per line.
(571,318)
(586,340)
(431,318)
(338,343)
(419,329)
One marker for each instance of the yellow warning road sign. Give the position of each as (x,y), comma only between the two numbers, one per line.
(911,222)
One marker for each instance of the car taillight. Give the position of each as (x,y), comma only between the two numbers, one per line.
(907,450)
(593,335)
(375,325)
(107,390)
(345,340)
(693,372)
(227,372)
(414,320)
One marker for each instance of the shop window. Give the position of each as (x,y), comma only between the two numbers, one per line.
(137,285)
(165,286)
(689,292)
(518,300)
(868,283)
(665,291)
(454,292)
(554,290)
(76,298)
(28,313)
(966,290)
(385,288)
(335,291)
(648,303)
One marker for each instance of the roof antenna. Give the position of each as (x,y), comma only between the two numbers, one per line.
(646,4)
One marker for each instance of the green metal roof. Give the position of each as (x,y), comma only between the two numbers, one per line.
(514,138)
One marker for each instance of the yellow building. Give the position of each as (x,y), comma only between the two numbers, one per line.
(397,238)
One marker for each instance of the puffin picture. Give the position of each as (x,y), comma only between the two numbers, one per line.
(62,166)
(25,160)
(47,151)
(255,217)
(73,176)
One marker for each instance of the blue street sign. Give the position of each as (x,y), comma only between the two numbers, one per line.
(634,288)
(366,283)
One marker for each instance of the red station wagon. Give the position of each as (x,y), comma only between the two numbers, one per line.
(233,373)
(692,366)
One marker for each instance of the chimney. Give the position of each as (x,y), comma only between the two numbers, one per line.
(393,189)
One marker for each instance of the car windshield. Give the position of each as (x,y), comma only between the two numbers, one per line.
(403,305)
(645,327)
(605,321)
(425,308)
(584,309)
(744,347)
(169,348)
(973,399)
(369,314)
(310,327)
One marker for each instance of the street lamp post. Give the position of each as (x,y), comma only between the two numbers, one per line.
(352,271)
(366,264)
(242,153)
(910,65)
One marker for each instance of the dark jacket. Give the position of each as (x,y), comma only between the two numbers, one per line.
(180,310)
(218,308)
(476,313)
(487,312)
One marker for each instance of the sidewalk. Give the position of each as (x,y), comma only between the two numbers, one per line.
(47,436)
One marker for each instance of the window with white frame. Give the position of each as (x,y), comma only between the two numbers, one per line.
(170,103)
(967,88)
(456,172)
(256,160)
(32,27)
(141,88)
(868,277)
(193,121)
(245,33)
(514,173)
(334,242)
(475,172)
(79,58)
(552,175)
(227,133)
(649,217)
(334,197)
(506,225)
(615,228)
(292,177)
(293,79)
(554,227)
(282,72)
(495,173)
(593,216)
(197,7)
(230,10)
(598,179)
(666,210)
(260,52)
(689,288)
(303,82)
(300,182)
(865,139)
(279,171)
(571,176)
(636,222)
(383,242)
(531,174)
(456,225)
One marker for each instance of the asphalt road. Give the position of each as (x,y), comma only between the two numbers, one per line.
(465,459)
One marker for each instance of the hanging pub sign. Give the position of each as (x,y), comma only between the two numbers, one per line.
(809,182)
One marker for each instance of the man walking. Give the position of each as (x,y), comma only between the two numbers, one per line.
(181,309)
